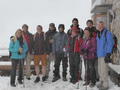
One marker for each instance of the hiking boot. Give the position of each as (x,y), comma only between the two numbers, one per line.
(103,88)
(71,80)
(56,78)
(28,78)
(64,79)
(86,83)
(37,80)
(44,78)
(100,85)
(92,85)
(13,85)
(20,82)
(74,81)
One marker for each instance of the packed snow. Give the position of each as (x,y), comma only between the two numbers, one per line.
(49,85)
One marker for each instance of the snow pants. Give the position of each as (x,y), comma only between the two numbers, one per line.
(58,58)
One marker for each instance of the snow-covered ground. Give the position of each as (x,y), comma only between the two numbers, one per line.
(58,85)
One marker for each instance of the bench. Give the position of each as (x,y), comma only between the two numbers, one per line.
(115,74)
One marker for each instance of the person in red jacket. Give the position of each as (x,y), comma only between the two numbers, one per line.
(74,55)
(29,39)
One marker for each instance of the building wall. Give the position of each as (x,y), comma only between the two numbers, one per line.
(115,26)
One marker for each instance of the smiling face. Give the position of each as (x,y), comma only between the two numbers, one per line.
(101,26)
(39,29)
(25,28)
(86,33)
(89,24)
(74,23)
(18,33)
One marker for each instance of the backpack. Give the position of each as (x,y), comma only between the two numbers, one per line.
(114,39)
(35,36)
(10,53)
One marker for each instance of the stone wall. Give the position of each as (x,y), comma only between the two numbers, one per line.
(115,27)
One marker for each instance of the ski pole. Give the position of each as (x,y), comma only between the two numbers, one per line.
(86,71)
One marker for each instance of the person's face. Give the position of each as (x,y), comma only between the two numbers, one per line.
(61,29)
(19,33)
(51,28)
(73,32)
(101,26)
(74,23)
(25,28)
(39,29)
(89,24)
(87,34)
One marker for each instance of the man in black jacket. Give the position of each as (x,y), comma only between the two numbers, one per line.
(40,53)
(49,39)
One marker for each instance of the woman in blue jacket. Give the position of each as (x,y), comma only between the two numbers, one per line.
(18,48)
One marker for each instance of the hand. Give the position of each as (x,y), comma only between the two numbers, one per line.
(51,41)
(107,58)
(20,50)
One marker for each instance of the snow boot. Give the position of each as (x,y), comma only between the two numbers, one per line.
(64,79)
(56,78)
(86,83)
(92,85)
(13,85)
(44,78)
(37,80)
(100,85)
(103,88)
(20,82)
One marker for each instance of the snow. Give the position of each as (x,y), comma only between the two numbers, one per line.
(58,85)
(4,52)
(115,68)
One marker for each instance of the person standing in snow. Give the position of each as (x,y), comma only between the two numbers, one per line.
(60,49)
(49,39)
(88,49)
(40,53)
(93,32)
(75,23)
(18,48)
(104,50)
(29,39)
(74,54)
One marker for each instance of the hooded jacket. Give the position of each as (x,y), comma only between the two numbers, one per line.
(49,36)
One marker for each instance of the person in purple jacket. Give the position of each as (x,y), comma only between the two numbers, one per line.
(88,49)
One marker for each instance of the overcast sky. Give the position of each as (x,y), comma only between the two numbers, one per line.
(15,13)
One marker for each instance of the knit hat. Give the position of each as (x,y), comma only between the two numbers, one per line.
(74,28)
(52,24)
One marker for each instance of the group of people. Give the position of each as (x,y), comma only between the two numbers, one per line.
(94,45)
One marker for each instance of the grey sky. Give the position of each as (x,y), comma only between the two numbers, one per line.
(14,13)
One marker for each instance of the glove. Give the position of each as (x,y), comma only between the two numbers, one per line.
(107,58)
(87,51)
(82,50)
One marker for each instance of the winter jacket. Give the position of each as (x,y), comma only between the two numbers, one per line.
(49,36)
(74,44)
(90,45)
(39,44)
(60,43)
(80,32)
(14,49)
(29,39)
(93,31)
(104,45)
